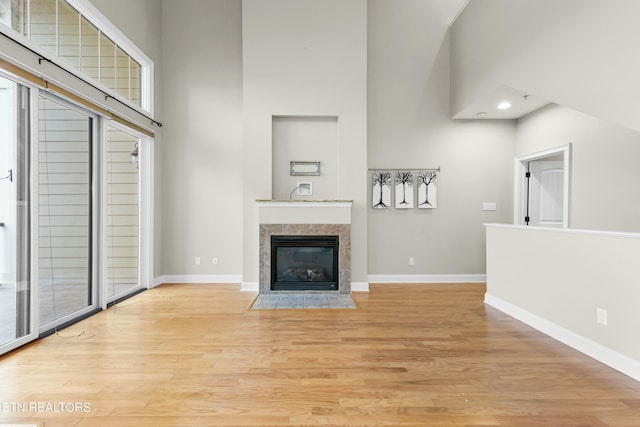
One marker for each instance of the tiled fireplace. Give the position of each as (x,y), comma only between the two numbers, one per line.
(305,262)
(300,220)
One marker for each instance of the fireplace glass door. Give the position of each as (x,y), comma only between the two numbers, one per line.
(304,263)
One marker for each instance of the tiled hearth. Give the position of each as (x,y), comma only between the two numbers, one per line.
(343,231)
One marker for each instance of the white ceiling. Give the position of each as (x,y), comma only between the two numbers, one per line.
(521,104)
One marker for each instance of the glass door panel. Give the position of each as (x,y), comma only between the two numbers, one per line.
(122,214)
(15,285)
(65,213)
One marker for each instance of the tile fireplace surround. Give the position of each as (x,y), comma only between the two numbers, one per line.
(305,218)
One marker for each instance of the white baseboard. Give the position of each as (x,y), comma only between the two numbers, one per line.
(609,357)
(355,286)
(364,286)
(198,278)
(250,287)
(359,287)
(427,278)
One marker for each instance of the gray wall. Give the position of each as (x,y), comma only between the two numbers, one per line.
(202,145)
(210,138)
(561,52)
(605,168)
(409,127)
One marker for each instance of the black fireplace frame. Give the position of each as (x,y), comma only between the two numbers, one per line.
(313,241)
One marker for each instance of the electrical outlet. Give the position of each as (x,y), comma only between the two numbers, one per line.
(601,316)
(412,260)
(215,261)
(304,188)
(197,260)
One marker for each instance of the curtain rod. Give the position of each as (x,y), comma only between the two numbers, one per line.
(106,95)
(405,169)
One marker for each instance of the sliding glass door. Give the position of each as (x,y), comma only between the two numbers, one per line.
(66,213)
(16,314)
(122,239)
(71,203)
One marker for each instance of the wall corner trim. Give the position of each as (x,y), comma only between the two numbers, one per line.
(156,281)
(609,357)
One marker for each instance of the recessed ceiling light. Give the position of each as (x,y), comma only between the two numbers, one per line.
(504,105)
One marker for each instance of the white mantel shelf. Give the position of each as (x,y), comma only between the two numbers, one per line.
(306,203)
(304,211)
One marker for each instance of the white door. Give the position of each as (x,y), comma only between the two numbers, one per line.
(546,193)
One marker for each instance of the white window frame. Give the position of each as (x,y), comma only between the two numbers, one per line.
(102,23)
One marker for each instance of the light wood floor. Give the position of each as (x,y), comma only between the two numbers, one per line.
(412,355)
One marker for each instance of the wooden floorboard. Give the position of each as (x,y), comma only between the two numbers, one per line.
(409,355)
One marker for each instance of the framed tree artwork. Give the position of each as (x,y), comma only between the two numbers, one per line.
(404,189)
(381,190)
(427,190)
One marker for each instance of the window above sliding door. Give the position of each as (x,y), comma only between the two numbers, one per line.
(85,41)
